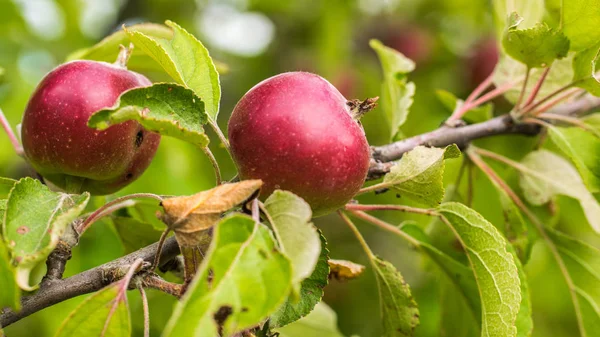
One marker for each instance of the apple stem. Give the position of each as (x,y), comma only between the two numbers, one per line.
(145,309)
(214,163)
(109,207)
(11,135)
(124,55)
(359,108)
(161,242)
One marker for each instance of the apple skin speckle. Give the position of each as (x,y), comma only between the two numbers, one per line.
(59,144)
(294,131)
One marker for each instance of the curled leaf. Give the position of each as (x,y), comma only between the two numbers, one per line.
(343,270)
(189,216)
(165,108)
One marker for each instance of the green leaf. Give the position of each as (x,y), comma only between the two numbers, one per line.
(135,234)
(243,279)
(108,49)
(476,115)
(398,308)
(320,322)
(585,68)
(6,184)
(531,11)
(509,70)
(34,220)
(2,210)
(104,313)
(579,20)
(298,238)
(419,174)
(524,322)
(545,174)
(516,230)
(593,121)
(186,60)
(465,284)
(494,268)
(454,321)
(582,263)
(536,47)
(165,108)
(397,93)
(10,296)
(459,275)
(583,148)
(311,292)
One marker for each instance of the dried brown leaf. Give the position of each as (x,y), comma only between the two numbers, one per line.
(189,216)
(343,270)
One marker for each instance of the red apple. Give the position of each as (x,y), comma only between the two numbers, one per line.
(64,150)
(294,131)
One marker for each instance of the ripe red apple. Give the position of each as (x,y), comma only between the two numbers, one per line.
(295,132)
(64,150)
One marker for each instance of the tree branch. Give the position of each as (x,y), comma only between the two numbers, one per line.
(56,291)
(462,136)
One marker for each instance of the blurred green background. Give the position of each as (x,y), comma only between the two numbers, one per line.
(452,44)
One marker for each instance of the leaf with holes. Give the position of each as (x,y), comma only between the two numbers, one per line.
(419,174)
(311,292)
(166,108)
(186,60)
(396,92)
(104,313)
(494,268)
(536,47)
(582,263)
(545,175)
(243,279)
(321,322)
(34,220)
(190,216)
(290,216)
(10,296)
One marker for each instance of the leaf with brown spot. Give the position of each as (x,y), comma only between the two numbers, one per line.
(189,216)
(343,270)
(33,221)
